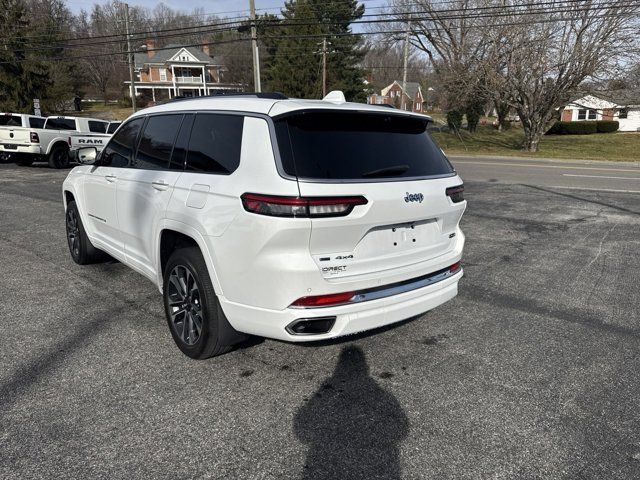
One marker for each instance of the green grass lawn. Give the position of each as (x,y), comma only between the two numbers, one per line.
(488,141)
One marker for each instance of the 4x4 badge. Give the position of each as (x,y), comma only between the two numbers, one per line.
(414,197)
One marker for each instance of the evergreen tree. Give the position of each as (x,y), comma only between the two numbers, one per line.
(295,66)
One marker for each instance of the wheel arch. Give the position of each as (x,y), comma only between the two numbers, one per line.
(55,142)
(173,234)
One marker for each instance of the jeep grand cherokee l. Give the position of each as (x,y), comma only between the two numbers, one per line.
(292,219)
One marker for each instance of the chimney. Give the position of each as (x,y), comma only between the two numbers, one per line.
(205,49)
(151,45)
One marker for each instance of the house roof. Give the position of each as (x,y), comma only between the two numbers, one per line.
(622,97)
(412,89)
(162,56)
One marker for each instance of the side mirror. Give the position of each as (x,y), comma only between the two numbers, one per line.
(87,155)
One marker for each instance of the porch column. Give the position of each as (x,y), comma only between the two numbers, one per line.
(173,77)
(204,80)
(153,93)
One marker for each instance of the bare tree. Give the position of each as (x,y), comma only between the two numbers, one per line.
(547,56)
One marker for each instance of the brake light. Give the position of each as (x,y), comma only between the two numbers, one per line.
(324,300)
(455,267)
(456,194)
(33,136)
(278,206)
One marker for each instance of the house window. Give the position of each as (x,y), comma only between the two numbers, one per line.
(163,74)
(624,113)
(582,114)
(593,115)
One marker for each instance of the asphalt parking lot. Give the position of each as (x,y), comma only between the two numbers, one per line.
(532,372)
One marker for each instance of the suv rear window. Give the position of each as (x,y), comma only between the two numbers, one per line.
(10,121)
(331,145)
(60,124)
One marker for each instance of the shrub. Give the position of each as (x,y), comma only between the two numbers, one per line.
(607,126)
(454,119)
(573,128)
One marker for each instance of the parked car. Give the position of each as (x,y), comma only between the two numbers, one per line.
(98,140)
(9,122)
(292,219)
(48,143)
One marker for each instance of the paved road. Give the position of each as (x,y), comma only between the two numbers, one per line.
(531,372)
(568,174)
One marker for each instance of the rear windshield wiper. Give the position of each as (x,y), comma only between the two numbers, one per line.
(391,171)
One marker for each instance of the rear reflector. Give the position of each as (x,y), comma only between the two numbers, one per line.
(323,300)
(455,267)
(456,194)
(33,136)
(278,206)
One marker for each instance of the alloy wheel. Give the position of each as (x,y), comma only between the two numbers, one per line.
(73,232)
(185,306)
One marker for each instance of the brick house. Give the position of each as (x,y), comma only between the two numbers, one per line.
(393,95)
(178,71)
(622,106)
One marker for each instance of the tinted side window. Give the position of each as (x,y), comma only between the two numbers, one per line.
(10,120)
(120,148)
(156,142)
(182,141)
(215,143)
(97,127)
(113,126)
(36,122)
(60,124)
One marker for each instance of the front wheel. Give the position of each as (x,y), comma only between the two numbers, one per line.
(80,247)
(196,320)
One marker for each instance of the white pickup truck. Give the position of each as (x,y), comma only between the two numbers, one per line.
(22,120)
(97,140)
(48,144)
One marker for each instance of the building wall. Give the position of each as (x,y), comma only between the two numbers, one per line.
(631,123)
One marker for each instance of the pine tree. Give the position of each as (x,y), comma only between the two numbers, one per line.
(295,66)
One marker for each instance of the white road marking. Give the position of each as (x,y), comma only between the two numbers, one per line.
(563,167)
(597,176)
(595,189)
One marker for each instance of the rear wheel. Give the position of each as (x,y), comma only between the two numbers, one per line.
(59,157)
(80,247)
(196,320)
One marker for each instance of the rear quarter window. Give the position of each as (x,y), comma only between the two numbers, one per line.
(215,143)
(36,122)
(337,145)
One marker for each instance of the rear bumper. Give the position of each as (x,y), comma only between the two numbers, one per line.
(23,149)
(349,319)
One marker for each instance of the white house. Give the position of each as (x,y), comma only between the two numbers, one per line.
(622,106)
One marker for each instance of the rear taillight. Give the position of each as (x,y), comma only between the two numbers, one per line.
(456,194)
(455,267)
(323,300)
(33,136)
(277,206)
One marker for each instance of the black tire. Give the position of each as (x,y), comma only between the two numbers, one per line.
(186,307)
(59,156)
(80,247)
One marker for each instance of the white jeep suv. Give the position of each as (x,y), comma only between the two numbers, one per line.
(256,214)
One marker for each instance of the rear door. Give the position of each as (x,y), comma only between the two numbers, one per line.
(145,188)
(390,160)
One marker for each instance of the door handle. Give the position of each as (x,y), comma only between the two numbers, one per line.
(110,178)
(160,185)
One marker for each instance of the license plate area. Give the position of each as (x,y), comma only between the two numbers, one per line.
(398,238)
(9,146)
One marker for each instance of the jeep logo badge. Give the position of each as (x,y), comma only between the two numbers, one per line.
(414,197)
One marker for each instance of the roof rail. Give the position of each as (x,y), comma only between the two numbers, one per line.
(271,95)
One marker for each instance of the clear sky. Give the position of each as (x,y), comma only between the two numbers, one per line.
(223,7)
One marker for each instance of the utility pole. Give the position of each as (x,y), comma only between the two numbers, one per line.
(404,65)
(132,88)
(254,47)
(324,67)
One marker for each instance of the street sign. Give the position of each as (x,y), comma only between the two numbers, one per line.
(36,103)
(37,112)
